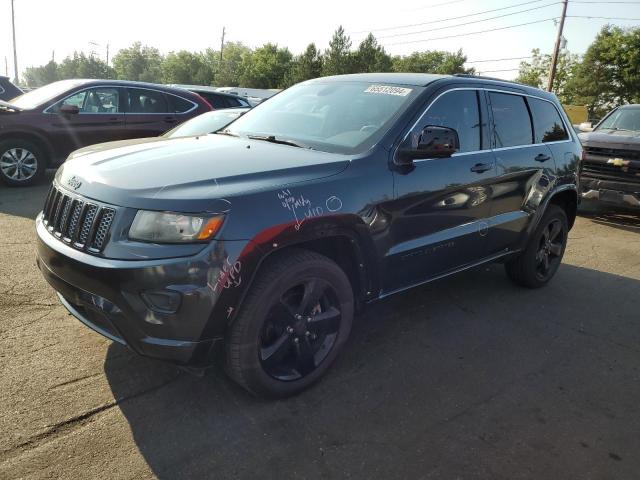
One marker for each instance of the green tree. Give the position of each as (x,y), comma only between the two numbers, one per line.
(39,76)
(306,66)
(371,56)
(80,65)
(187,68)
(236,58)
(269,67)
(338,59)
(432,61)
(609,74)
(536,73)
(141,63)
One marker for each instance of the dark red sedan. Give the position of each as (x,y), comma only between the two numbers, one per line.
(40,128)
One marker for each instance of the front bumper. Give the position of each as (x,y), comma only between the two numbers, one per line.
(613,193)
(105,295)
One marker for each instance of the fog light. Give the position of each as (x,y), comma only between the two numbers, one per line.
(162,301)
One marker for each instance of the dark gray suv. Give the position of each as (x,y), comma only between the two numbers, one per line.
(260,241)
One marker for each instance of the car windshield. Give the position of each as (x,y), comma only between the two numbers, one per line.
(43,94)
(622,119)
(337,117)
(206,123)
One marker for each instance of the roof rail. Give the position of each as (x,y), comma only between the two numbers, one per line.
(483,77)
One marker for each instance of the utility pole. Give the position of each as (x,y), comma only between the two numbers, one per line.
(107,54)
(6,66)
(556,50)
(222,44)
(15,54)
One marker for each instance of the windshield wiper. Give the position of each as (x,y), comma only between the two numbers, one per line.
(273,139)
(226,132)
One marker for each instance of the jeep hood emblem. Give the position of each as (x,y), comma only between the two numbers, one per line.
(74,182)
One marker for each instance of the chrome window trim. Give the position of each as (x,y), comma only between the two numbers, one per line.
(489,89)
(195,105)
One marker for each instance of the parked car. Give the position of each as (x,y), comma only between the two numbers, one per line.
(610,169)
(253,95)
(217,99)
(7,89)
(40,128)
(259,243)
(203,124)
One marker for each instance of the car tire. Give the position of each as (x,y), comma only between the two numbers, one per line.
(262,353)
(539,262)
(22,163)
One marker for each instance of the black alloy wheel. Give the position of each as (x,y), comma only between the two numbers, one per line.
(300,330)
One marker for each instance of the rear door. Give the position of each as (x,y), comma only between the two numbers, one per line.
(149,113)
(99,119)
(442,204)
(524,169)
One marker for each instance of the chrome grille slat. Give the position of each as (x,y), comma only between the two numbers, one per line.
(84,225)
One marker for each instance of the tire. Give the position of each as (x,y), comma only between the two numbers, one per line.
(22,162)
(528,269)
(261,350)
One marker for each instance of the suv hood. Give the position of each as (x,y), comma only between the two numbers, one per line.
(191,174)
(623,139)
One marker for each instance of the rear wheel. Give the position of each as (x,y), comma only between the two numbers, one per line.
(22,163)
(292,325)
(543,255)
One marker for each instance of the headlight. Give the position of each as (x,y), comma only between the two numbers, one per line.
(164,227)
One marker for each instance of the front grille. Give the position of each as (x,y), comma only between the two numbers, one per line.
(613,153)
(612,164)
(82,224)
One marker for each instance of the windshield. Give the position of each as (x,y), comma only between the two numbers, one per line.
(336,117)
(206,123)
(622,119)
(43,94)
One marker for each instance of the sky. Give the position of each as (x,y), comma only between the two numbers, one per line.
(58,27)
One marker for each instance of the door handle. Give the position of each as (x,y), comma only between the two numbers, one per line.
(481,167)
(541,157)
(114,120)
(169,120)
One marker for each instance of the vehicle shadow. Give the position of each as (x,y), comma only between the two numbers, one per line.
(622,220)
(26,201)
(468,377)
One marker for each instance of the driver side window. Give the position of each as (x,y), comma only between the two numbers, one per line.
(93,100)
(459,110)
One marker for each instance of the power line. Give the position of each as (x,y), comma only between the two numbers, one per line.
(432,6)
(603,18)
(446,19)
(469,23)
(472,33)
(498,59)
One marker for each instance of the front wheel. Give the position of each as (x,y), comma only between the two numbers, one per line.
(292,325)
(21,162)
(543,255)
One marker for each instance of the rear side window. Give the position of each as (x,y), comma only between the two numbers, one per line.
(180,105)
(147,101)
(512,123)
(547,124)
(457,110)
(216,101)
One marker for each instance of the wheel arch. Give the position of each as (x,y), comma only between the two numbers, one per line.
(567,199)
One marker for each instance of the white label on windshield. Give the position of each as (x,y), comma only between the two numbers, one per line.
(387,90)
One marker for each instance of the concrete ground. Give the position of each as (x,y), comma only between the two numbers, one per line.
(469,377)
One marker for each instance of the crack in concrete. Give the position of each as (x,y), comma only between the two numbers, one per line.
(67,426)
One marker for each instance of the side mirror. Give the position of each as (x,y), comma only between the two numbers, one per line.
(68,109)
(431,142)
(585,127)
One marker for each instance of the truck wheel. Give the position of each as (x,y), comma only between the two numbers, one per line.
(21,162)
(543,255)
(291,326)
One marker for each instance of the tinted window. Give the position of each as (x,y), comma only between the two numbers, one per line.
(147,101)
(547,124)
(216,101)
(457,110)
(180,105)
(232,102)
(511,119)
(93,100)
(622,119)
